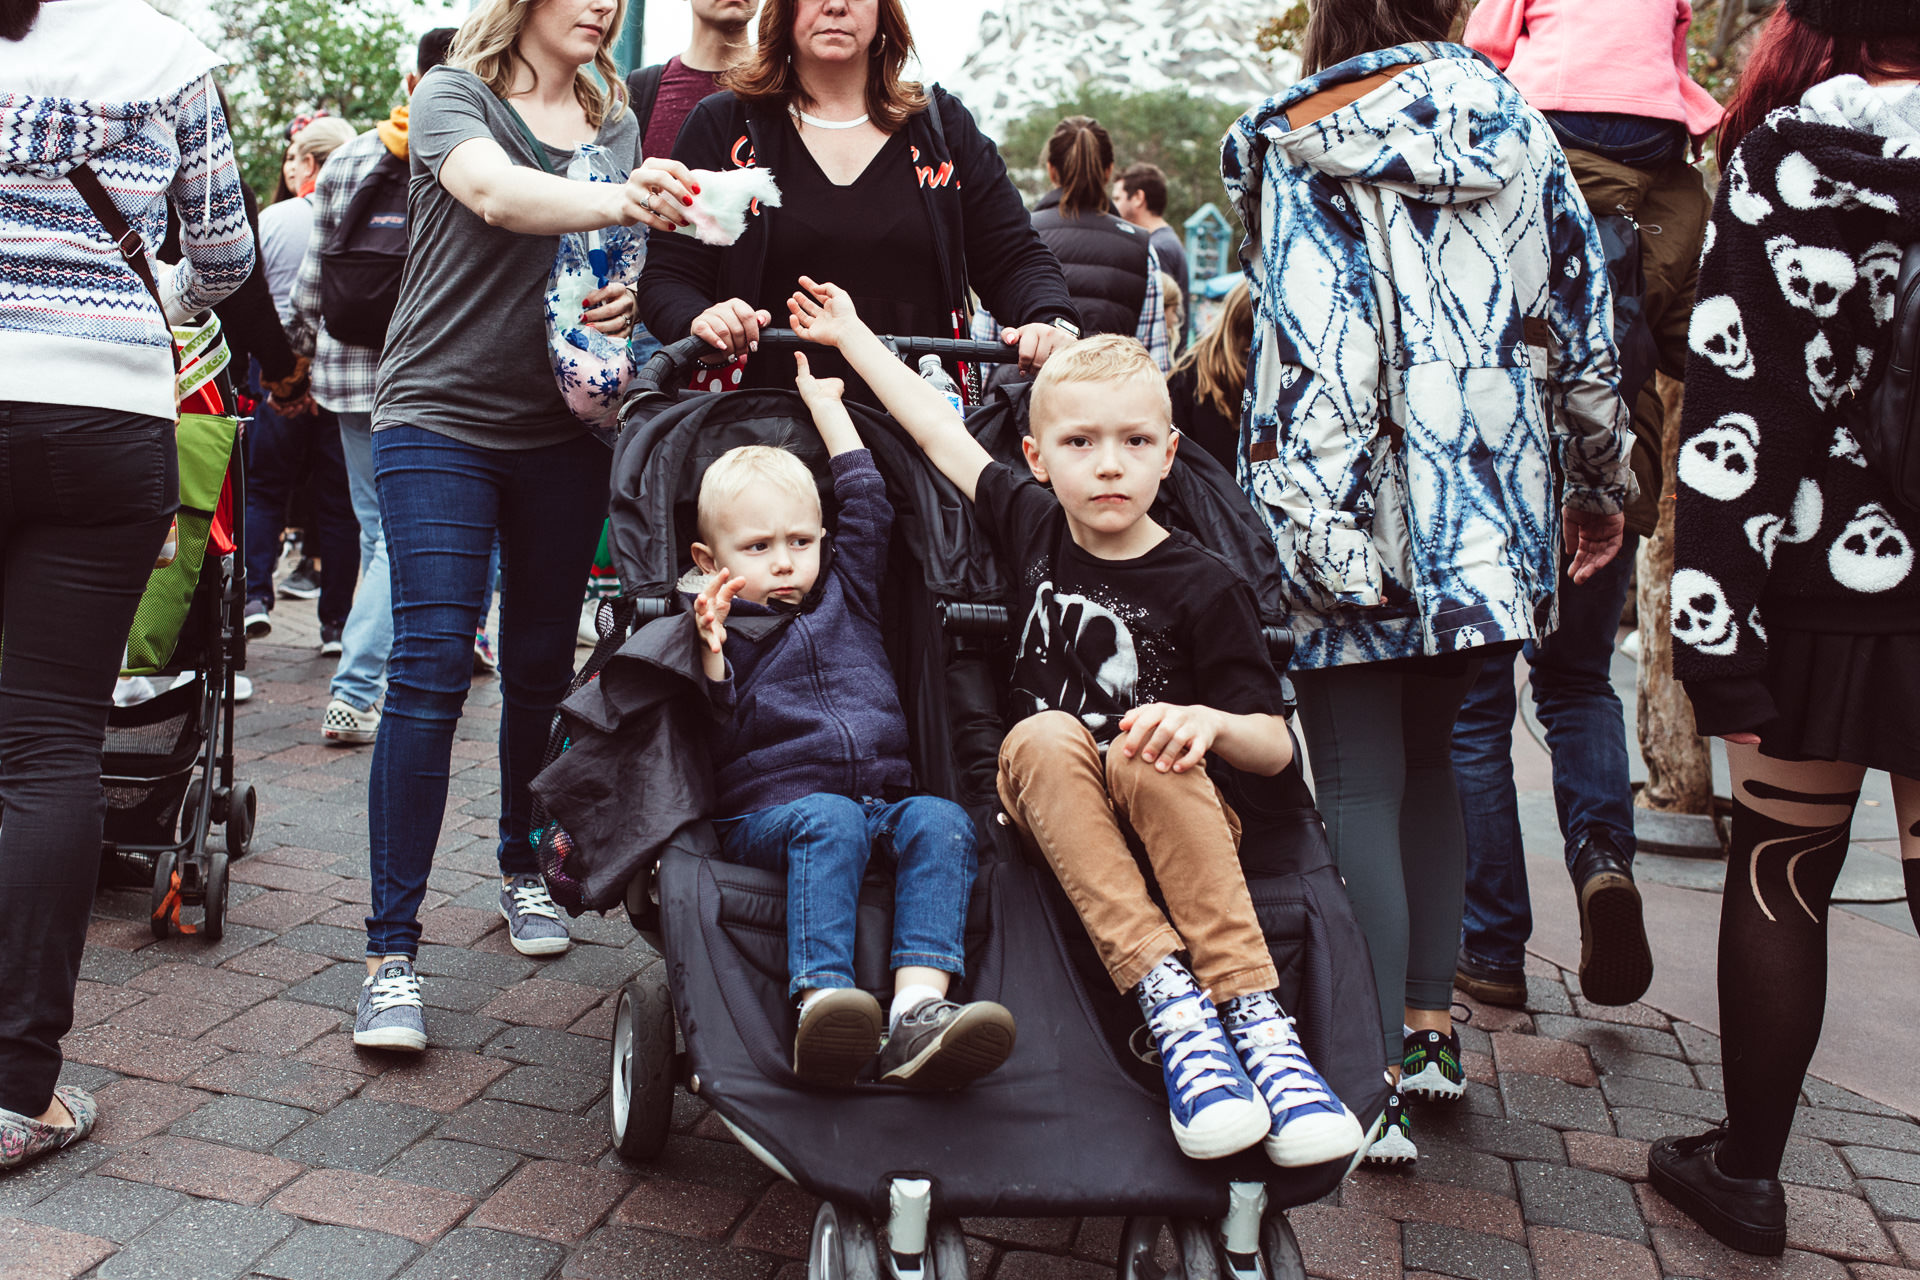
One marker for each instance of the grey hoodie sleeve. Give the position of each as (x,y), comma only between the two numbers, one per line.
(1590,418)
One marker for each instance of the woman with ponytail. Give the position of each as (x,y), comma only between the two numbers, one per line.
(1796,608)
(1113,274)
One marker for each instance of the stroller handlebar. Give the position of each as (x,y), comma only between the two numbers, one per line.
(671,365)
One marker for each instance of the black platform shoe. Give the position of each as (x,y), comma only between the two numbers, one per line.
(1748,1214)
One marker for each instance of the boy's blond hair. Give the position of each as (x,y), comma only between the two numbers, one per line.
(737,471)
(1105,357)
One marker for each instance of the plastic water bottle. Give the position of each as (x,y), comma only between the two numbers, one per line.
(936,373)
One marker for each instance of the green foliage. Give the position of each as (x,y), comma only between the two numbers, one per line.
(1172,128)
(290,57)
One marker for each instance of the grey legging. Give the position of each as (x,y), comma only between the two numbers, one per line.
(1380,739)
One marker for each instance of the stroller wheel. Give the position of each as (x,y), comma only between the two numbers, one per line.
(641,1091)
(166,895)
(214,925)
(843,1246)
(1199,1247)
(1280,1249)
(242,807)
(949,1251)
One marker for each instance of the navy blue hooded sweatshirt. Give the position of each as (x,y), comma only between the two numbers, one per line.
(814,708)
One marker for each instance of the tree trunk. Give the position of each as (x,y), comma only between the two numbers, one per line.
(1679,767)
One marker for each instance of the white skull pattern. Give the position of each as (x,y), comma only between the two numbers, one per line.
(1766,533)
(1846,448)
(1753,621)
(1812,278)
(1825,382)
(1701,615)
(1718,333)
(1719,461)
(1746,204)
(1803,186)
(1467,637)
(1871,553)
(1880,268)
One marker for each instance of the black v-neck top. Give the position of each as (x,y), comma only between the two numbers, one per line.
(871,237)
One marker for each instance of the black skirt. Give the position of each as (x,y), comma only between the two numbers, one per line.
(1854,698)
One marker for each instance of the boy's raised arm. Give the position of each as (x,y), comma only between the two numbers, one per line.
(824,313)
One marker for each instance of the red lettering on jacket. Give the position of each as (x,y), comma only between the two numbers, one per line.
(739,160)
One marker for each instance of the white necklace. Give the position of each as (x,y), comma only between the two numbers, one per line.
(818,123)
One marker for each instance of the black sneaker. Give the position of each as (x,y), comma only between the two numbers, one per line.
(1615,965)
(1395,1143)
(838,1035)
(330,633)
(258,619)
(1430,1066)
(1748,1214)
(942,1045)
(302,584)
(1504,987)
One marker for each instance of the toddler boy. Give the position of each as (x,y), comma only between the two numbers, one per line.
(811,765)
(1138,653)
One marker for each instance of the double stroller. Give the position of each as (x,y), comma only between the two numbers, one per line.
(1075,1122)
(168,769)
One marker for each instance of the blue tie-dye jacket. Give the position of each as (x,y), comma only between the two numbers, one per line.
(1431,302)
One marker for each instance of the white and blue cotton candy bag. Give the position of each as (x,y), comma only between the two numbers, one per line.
(592,368)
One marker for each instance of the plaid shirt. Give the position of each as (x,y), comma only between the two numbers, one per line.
(1150,329)
(342,373)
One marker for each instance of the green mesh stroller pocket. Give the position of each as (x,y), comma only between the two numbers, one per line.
(206,445)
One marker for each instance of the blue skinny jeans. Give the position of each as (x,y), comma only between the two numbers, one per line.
(441,503)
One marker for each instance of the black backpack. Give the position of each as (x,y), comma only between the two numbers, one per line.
(1886,419)
(361,262)
(643,90)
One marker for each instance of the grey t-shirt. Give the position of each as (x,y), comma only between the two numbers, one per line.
(466,355)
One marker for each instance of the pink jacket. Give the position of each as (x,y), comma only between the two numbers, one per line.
(1624,56)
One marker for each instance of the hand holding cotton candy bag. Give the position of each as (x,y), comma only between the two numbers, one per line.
(593,369)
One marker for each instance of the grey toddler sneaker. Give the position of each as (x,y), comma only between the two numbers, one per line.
(390,1016)
(942,1045)
(22,1138)
(533,922)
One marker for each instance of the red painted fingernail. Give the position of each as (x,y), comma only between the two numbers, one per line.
(689,201)
(696,191)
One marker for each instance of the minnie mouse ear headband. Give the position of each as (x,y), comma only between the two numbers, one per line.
(1859,18)
(301,122)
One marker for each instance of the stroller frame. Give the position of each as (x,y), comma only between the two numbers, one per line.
(187,872)
(1249,1240)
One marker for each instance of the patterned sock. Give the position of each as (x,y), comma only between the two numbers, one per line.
(1255,1006)
(1166,981)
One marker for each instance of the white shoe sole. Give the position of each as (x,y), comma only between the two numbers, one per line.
(1229,1127)
(351,737)
(535,946)
(1432,1085)
(391,1038)
(1315,1139)
(1392,1147)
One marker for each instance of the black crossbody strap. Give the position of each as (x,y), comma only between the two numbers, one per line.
(125,239)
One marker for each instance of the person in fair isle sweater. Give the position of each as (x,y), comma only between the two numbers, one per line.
(1796,608)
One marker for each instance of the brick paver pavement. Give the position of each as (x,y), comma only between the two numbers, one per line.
(242,1135)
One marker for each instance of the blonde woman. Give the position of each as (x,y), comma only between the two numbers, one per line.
(471,438)
(1207,382)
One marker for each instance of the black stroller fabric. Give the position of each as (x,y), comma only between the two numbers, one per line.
(1074,1122)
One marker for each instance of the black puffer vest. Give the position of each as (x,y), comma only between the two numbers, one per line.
(1105,261)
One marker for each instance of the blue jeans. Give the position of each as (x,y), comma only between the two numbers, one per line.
(282,453)
(823,842)
(441,502)
(1639,141)
(361,676)
(1587,734)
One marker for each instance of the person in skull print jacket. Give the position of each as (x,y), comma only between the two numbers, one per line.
(1796,608)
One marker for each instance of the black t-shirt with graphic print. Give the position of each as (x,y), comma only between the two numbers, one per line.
(1096,638)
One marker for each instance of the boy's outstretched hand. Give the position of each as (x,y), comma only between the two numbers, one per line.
(824,313)
(816,392)
(711,607)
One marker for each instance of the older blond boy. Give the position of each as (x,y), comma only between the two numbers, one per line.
(1138,654)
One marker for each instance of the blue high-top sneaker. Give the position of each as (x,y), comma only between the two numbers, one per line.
(1215,1108)
(1309,1124)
